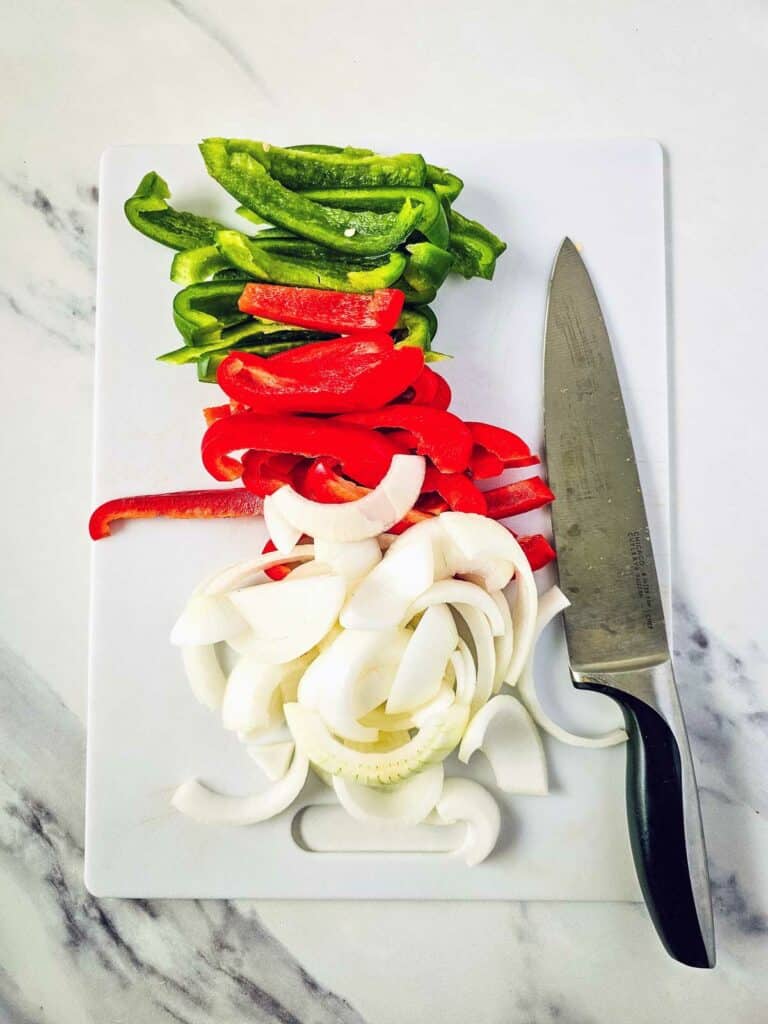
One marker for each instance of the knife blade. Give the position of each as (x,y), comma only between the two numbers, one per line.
(615,631)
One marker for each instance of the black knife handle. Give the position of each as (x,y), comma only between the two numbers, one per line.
(664,827)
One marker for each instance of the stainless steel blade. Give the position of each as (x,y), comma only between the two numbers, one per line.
(604,554)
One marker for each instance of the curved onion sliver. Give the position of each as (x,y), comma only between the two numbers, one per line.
(506,734)
(205,805)
(405,804)
(504,644)
(204,674)
(551,604)
(459,592)
(467,801)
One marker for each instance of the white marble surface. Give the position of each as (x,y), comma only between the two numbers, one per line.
(75,77)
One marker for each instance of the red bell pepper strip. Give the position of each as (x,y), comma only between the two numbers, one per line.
(458,490)
(221,504)
(344,375)
(537,550)
(508,447)
(320,482)
(518,497)
(429,388)
(279,572)
(216,412)
(364,454)
(340,312)
(484,464)
(265,472)
(439,435)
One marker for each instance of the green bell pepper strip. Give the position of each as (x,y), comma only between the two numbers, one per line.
(148,211)
(252,332)
(361,233)
(474,247)
(202,310)
(333,274)
(446,185)
(194,265)
(309,167)
(415,327)
(433,224)
(318,148)
(427,267)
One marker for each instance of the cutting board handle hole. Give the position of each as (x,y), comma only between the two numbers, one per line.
(327,828)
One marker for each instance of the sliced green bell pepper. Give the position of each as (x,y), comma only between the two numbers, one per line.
(475,248)
(426,269)
(209,362)
(193,265)
(203,310)
(148,211)
(358,276)
(319,148)
(446,185)
(253,332)
(415,327)
(361,233)
(433,224)
(325,167)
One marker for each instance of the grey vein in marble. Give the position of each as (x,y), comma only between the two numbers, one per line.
(153,961)
(74,227)
(218,36)
(57,313)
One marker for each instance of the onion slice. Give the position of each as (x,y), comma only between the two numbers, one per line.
(208,807)
(459,592)
(251,700)
(205,674)
(381,600)
(274,759)
(485,653)
(551,604)
(289,617)
(357,520)
(468,801)
(283,534)
(422,666)
(466,673)
(506,734)
(353,561)
(406,804)
(504,644)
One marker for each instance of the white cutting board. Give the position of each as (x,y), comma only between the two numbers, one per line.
(146,732)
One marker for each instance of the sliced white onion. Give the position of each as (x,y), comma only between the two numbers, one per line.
(252,691)
(381,600)
(289,617)
(506,734)
(466,673)
(405,804)
(526,602)
(273,758)
(246,574)
(211,808)
(371,515)
(352,561)
(345,682)
(467,801)
(504,644)
(431,744)
(422,667)
(442,700)
(551,604)
(205,674)
(282,533)
(206,620)
(485,653)
(459,592)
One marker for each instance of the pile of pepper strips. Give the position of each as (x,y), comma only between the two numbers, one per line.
(327,418)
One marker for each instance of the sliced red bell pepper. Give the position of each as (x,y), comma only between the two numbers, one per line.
(429,388)
(335,312)
(364,454)
(279,572)
(439,435)
(484,464)
(216,412)
(518,497)
(266,472)
(508,447)
(344,375)
(537,550)
(319,481)
(458,490)
(220,504)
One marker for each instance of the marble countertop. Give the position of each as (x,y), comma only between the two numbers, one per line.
(78,77)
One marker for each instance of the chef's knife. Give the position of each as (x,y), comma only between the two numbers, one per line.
(617,642)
